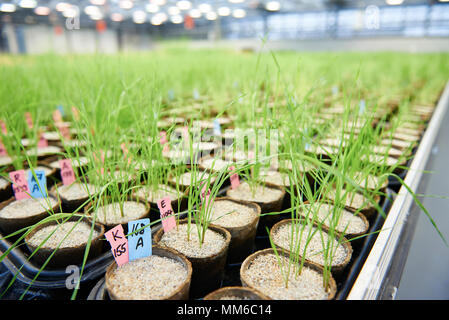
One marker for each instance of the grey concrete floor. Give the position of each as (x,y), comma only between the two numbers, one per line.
(426,272)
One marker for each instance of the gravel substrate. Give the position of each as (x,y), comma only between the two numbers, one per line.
(149,278)
(324,213)
(186,178)
(110,214)
(230,214)
(275,177)
(350,199)
(76,191)
(4,161)
(44,151)
(177,239)
(282,237)
(257,193)
(27,207)
(368,181)
(266,275)
(77,237)
(215,164)
(76,163)
(3,183)
(148,193)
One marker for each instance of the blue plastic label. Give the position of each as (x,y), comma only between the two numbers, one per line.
(38,187)
(139,243)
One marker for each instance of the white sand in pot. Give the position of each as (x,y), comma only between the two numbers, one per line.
(4,183)
(230,214)
(275,177)
(177,239)
(27,207)
(76,163)
(5,161)
(44,151)
(76,237)
(149,193)
(214,164)
(77,191)
(266,275)
(256,193)
(188,178)
(111,214)
(369,181)
(349,199)
(150,278)
(326,213)
(312,239)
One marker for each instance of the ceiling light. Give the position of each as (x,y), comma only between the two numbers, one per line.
(152,7)
(61,6)
(176,19)
(184,4)
(211,15)
(42,11)
(98,2)
(71,12)
(117,17)
(126,4)
(158,2)
(173,11)
(205,7)
(139,16)
(239,13)
(236,1)
(273,6)
(224,11)
(92,10)
(394,2)
(195,13)
(7,7)
(28,4)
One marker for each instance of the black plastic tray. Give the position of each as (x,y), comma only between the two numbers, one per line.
(360,252)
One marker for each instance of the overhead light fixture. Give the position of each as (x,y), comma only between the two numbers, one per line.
(394,2)
(195,13)
(116,17)
(159,2)
(239,13)
(152,8)
(205,7)
(224,11)
(42,11)
(211,15)
(184,4)
(173,11)
(28,4)
(139,16)
(236,1)
(126,4)
(7,7)
(273,6)
(92,10)
(71,12)
(61,6)
(176,19)
(98,2)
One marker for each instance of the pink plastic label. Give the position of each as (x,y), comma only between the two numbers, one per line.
(65,131)
(75,113)
(163,140)
(20,184)
(119,244)
(42,143)
(169,221)
(3,152)
(67,173)
(235,181)
(57,116)
(185,135)
(205,194)
(3,126)
(29,120)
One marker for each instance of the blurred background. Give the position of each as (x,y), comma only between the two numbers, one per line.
(111,26)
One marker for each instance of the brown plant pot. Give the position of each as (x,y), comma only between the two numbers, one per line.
(336,270)
(8,225)
(207,272)
(181,293)
(267,221)
(243,293)
(248,261)
(88,210)
(66,256)
(242,238)
(69,205)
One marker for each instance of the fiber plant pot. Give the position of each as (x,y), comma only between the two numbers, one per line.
(355,201)
(50,173)
(213,164)
(5,189)
(146,194)
(72,249)
(184,181)
(280,235)
(15,215)
(205,149)
(73,196)
(261,271)
(240,218)
(77,164)
(267,204)
(137,281)
(236,293)
(109,215)
(208,269)
(350,224)
(43,153)
(370,182)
